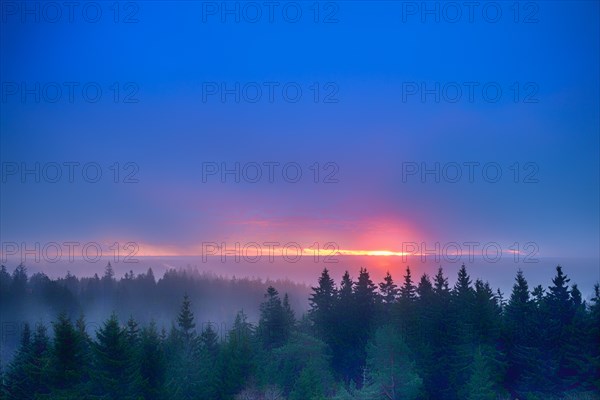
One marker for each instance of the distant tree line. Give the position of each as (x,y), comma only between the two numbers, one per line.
(216,300)
(359,340)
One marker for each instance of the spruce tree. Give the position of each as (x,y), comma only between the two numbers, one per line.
(390,373)
(438,379)
(185,320)
(152,364)
(425,288)
(322,303)
(235,363)
(365,306)
(85,350)
(408,289)
(112,370)
(518,330)
(67,354)
(18,381)
(274,323)
(184,361)
(344,344)
(440,285)
(388,289)
(480,385)
(593,330)
(423,345)
(461,331)
(132,332)
(560,316)
(288,313)
(406,313)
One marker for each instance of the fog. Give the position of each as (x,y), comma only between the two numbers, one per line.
(152,289)
(37,298)
(500,274)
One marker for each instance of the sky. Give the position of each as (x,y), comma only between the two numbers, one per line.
(382,129)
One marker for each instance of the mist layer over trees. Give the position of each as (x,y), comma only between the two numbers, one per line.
(216,300)
(413,339)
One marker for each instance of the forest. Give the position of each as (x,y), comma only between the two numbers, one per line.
(399,340)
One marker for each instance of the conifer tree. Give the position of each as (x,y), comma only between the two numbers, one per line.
(390,373)
(18,382)
(365,306)
(289,315)
(185,320)
(345,335)
(322,303)
(437,376)
(274,324)
(408,289)
(235,364)
(388,289)
(112,370)
(67,354)
(132,332)
(183,370)
(480,385)
(519,331)
(152,364)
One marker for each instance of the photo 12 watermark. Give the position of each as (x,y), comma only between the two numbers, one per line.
(69,12)
(469,251)
(470,12)
(270,92)
(271,251)
(69,172)
(270,171)
(470,172)
(470,92)
(69,92)
(272,12)
(69,251)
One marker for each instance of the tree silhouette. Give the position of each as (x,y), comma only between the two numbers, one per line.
(439,343)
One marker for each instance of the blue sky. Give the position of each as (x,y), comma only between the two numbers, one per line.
(364,122)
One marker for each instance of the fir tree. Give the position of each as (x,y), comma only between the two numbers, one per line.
(112,371)
(152,364)
(67,354)
(18,382)
(235,364)
(185,320)
(322,303)
(388,289)
(344,344)
(183,381)
(480,385)
(408,289)
(274,325)
(390,373)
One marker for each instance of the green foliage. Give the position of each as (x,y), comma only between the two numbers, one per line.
(285,365)
(276,320)
(235,363)
(391,374)
(183,379)
(388,289)
(185,320)
(152,364)
(112,370)
(359,341)
(310,384)
(28,373)
(480,385)
(322,306)
(408,291)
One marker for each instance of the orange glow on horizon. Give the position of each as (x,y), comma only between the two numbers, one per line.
(253,249)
